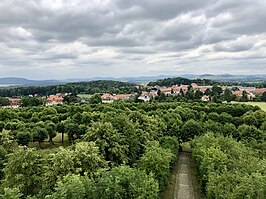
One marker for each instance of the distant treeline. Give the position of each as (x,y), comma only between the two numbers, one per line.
(179,80)
(168,82)
(100,86)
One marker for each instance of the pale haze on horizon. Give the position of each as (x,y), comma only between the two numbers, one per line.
(58,39)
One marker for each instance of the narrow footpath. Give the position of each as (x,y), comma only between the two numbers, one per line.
(184,186)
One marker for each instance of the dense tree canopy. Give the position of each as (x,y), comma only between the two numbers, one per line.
(127,149)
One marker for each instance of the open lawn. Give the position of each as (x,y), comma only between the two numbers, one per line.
(85,95)
(262,105)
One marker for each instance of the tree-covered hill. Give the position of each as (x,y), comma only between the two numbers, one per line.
(180,80)
(99,86)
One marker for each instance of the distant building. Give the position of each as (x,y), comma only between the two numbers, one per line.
(122,96)
(144,97)
(15,102)
(205,98)
(107,98)
(55,99)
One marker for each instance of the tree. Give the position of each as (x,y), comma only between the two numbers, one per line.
(39,134)
(4,101)
(50,127)
(244,96)
(60,127)
(111,143)
(248,133)
(23,137)
(71,129)
(190,129)
(3,154)
(11,193)
(216,90)
(31,101)
(24,170)
(263,97)
(96,99)
(156,160)
(198,94)
(228,95)
(71,186)
(125,182)
(88,158)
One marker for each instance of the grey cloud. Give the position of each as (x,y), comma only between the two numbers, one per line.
(118,35)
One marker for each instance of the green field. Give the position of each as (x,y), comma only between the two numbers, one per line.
(85,95)
(262,105)
(8,85)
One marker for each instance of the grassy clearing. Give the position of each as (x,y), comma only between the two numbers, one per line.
(47,147)
(262,105)
(85,95)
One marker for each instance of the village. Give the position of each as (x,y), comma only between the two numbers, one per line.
(146,94)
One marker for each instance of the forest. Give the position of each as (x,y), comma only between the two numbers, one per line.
(128,150)
(92,87)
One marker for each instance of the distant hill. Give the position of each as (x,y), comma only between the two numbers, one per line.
(228,77)
(12,82)
(21,82)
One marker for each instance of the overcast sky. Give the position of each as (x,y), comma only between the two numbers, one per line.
(57,39)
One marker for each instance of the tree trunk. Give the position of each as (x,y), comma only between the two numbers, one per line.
(62,138)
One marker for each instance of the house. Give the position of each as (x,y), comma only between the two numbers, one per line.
(14,102)
(144,97)
(194,85)
(205,98)
(154,93)
(122,96)
(238,93)
(107,98)
(166,90)
(54,99)
(259,91)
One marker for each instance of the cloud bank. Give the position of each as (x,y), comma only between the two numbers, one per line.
(42,39)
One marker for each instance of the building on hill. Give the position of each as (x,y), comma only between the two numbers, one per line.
(107,98)
(166,90)
(194,85)
(258,91)
(205,98)
(122,96)
(15,102)
(144,97)
(55,99)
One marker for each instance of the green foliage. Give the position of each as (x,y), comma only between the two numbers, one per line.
(190,129)
(156,160)
(88,158)
(71,186)
(23,137)
(99,86)
(32,101)
(3,154)
(168,82)
(4,101)
(110,142)
(11,193)
(24,170)
(39,134)
(227,168)
(125,182)
(96,99)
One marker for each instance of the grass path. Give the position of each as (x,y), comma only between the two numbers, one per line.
(183,182)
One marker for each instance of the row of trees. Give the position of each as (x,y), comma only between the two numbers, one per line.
(229,169)
(113,147)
